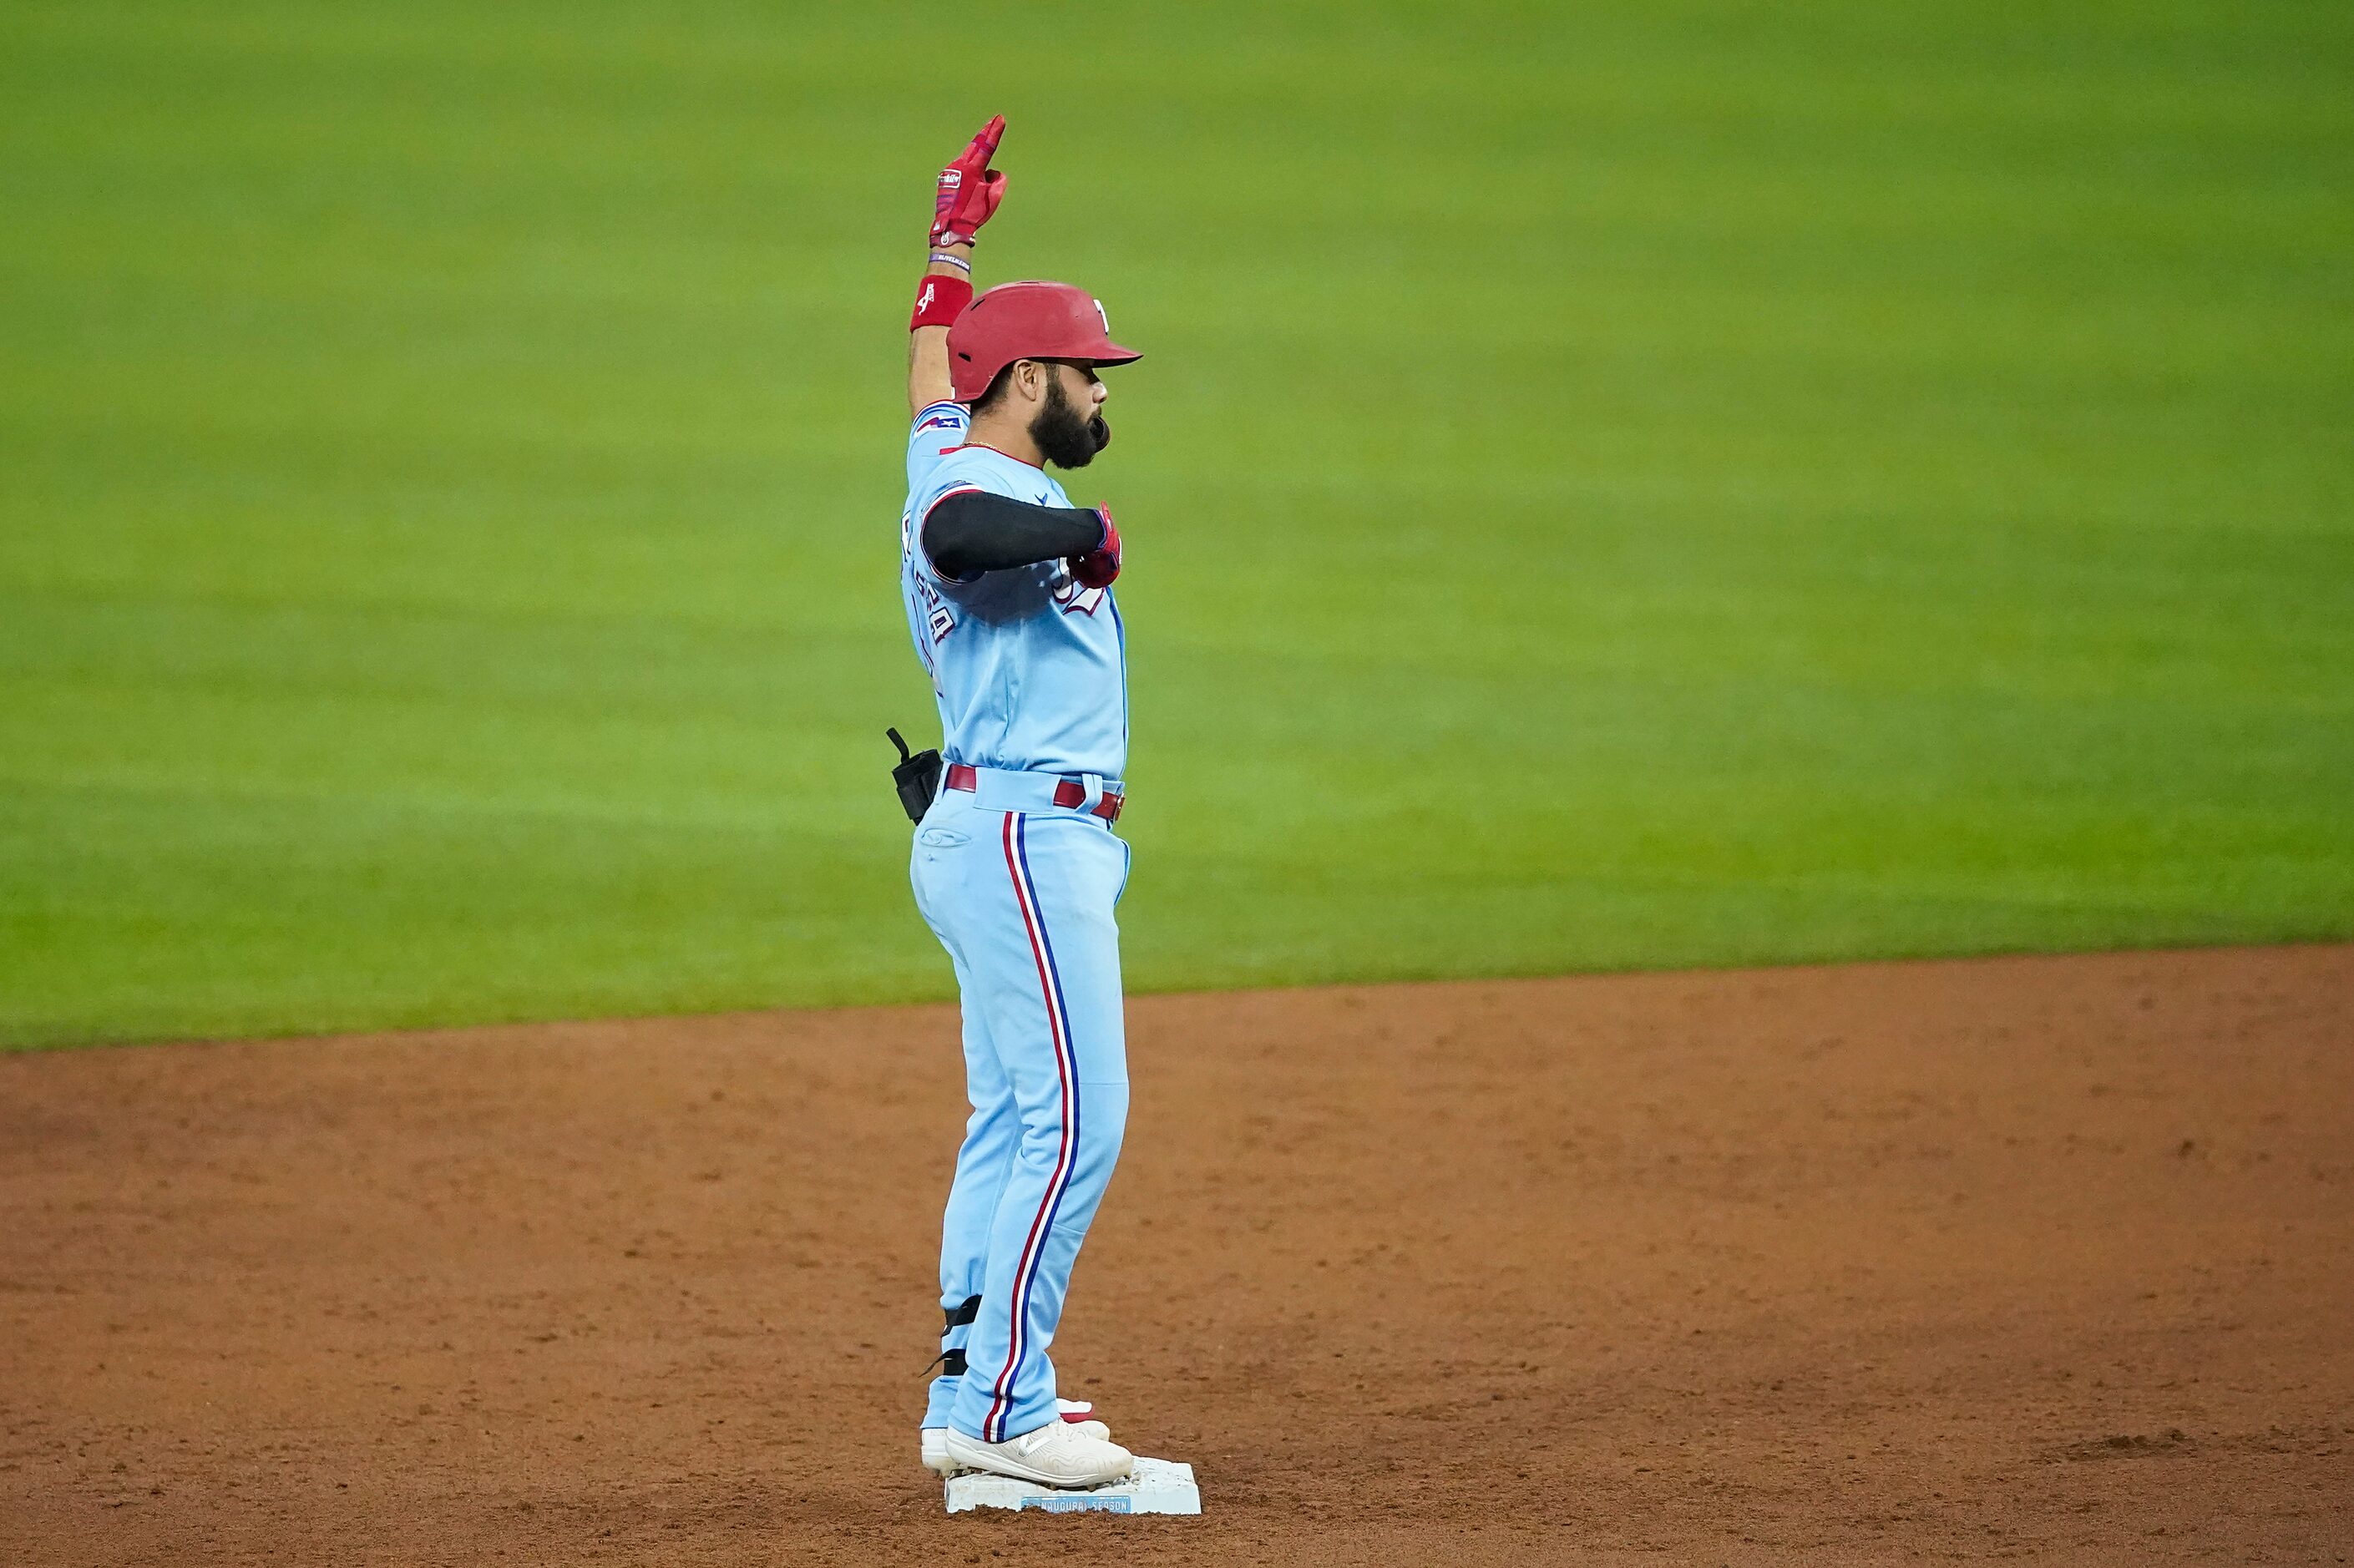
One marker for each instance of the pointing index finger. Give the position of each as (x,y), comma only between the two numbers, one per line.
(986,142)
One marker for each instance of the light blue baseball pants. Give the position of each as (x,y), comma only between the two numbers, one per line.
(1023,901)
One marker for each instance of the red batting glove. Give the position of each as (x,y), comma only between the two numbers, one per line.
(1099,566)
(970,191)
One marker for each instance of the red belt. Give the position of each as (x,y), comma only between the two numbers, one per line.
(1068,792)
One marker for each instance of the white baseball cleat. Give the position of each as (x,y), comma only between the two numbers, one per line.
(1078,1412)
(1055,1455)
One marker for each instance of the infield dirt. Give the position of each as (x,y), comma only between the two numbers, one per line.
(2043,1260)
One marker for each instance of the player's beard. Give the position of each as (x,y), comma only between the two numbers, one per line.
(1063,439)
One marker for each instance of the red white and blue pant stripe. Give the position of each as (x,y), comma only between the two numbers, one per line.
(1023,903)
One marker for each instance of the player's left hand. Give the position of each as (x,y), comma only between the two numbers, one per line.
(1100,565)
(969,189)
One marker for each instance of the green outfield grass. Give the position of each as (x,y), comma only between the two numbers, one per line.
(1616,487)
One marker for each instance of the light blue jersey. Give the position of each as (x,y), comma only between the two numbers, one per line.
(1030,669)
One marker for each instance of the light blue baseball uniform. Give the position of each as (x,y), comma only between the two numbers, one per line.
(1030,671)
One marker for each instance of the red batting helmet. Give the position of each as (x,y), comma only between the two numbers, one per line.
(1027,320)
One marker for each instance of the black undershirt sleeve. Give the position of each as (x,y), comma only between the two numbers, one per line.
(974,532)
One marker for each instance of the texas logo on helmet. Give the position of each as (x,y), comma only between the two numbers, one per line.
(1027,320)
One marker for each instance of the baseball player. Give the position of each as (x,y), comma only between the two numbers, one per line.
(1016,869)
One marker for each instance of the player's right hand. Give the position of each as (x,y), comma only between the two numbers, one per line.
(969,189)
(1100,565)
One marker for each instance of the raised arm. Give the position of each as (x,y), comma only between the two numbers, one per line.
(967,197)
(928,346)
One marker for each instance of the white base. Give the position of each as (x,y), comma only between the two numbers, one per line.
(1158,1485)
